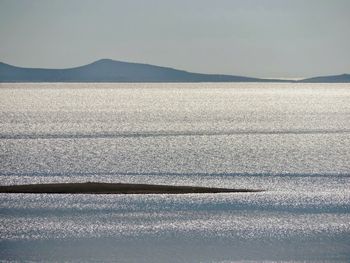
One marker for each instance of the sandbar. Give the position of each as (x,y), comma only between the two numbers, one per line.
(114,188)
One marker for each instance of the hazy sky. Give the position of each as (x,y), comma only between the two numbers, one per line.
(263,38)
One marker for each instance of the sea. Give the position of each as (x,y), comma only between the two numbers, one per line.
(292,140)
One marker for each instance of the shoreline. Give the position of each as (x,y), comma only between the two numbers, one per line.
(115,188)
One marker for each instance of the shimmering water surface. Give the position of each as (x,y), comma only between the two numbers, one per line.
(291,139)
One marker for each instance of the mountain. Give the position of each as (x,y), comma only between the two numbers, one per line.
(107,70)
(344,78)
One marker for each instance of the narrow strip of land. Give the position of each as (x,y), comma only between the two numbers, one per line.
(114,188)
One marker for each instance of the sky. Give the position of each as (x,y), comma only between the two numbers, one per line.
(260,38)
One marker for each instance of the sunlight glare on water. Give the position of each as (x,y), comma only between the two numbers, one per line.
(291,139)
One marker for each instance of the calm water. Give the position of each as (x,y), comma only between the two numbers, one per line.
(291,139)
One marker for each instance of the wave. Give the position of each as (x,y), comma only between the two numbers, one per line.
(72,174)
(145,134)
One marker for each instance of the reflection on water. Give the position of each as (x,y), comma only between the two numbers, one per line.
(290,139)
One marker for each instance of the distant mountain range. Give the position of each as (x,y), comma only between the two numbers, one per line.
(107,70)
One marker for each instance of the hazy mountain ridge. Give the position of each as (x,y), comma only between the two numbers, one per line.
(343,78)
(107,70)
